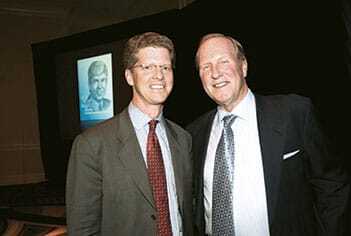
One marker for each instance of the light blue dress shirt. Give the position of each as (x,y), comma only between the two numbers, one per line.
(140,123)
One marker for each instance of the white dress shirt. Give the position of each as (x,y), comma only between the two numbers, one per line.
(249,194)
(141,127)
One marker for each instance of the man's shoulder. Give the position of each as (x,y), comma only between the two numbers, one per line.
(176,128)
(106,103)
(201,122)
(101,129)
(284,100)
(182,137)
(105,128)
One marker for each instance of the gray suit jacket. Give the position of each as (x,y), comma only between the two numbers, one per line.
(108,192)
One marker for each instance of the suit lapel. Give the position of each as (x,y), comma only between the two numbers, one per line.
(200,141)
(271,135)
(203,139)
(176,156)
(131,155)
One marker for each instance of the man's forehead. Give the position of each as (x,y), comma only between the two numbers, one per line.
(213,51)
(153,53)
(101,76)
(217,44)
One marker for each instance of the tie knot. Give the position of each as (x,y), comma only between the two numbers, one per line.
(228,120)
(152,124)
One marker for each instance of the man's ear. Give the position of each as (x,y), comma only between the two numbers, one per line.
(244,67)
(129,77)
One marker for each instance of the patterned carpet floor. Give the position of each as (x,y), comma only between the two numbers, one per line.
(22,228)
(32,210)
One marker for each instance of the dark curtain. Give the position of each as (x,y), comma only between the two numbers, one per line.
(346,14)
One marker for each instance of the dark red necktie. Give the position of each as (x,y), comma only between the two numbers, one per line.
(157,178)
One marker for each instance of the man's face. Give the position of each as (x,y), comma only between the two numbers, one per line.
(222,74)
(151,77)
(97,86)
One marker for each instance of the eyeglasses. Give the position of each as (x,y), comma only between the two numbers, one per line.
(149,68)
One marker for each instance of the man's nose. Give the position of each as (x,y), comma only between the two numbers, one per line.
(100,84)
(158,72)
(216,72)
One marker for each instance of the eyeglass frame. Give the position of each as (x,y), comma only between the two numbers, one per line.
(149,68)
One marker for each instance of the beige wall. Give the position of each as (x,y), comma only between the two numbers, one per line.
(20,160)
(19,136)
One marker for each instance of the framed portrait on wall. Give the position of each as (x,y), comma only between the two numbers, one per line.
(95,89)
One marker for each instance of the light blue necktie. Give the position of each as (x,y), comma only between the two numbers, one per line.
(222,195)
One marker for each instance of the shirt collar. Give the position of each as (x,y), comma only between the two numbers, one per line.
(140,119)
(244,110)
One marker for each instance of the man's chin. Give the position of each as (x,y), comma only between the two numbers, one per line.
(99,98)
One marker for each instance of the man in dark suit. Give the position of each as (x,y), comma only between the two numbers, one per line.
(125,176)
(268,171)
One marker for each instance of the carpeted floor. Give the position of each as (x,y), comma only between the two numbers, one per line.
(32,210)
(33,221)
(22,228)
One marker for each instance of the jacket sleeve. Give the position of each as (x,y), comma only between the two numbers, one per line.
(327,177)
(83,190)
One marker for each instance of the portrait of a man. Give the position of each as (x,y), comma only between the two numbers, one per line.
(95,89)
(97,80)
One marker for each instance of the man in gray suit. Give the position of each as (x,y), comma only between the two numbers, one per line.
(110,190)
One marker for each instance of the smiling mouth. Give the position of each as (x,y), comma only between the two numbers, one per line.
(220,84)
(157,86)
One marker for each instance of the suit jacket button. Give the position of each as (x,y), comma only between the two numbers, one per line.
(153,217)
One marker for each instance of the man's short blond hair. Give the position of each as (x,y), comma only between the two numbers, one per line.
(238,48)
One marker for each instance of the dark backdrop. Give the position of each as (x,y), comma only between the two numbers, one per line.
(292,47)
